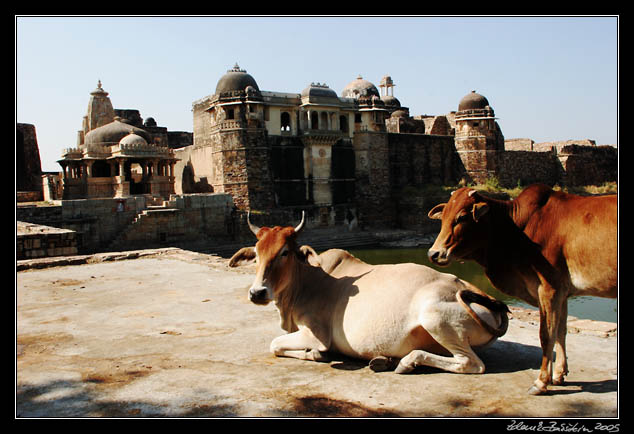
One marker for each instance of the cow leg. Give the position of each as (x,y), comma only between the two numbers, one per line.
(463,362)
(561,360)
(549,316)
(301,344)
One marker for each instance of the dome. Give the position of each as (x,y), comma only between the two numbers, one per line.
(113,133)
(359,87)
(473,101)
(133,139)
(235,79)
(319,89)
(390,101)
(400,114)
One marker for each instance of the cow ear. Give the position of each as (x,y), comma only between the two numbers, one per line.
(436,212)
(309,255)
(245,255)
(479,209)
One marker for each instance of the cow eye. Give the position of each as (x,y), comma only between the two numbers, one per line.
(462,218)
(284,253)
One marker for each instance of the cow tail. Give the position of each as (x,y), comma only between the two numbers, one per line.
(466,296)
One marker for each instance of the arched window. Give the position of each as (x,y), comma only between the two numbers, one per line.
(285,121)
(343,123)
(323,120)
(314,121)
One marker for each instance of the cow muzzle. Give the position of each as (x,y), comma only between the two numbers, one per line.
(440,257)
(259,295)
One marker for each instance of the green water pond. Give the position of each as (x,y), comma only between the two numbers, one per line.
(594,308)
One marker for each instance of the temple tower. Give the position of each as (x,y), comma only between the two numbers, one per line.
(100,112)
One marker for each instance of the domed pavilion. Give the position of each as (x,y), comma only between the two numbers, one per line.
(115,159)
(371,109)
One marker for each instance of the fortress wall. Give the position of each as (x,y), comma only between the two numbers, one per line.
(528,167)
(417,159)
(589,165)
(564,164)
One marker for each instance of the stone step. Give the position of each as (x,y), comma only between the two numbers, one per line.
(317,242)
(160,208)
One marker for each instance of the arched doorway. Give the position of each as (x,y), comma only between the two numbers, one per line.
(134,174)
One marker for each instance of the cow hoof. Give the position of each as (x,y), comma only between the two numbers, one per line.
(382,364)
(319,356)
(403,369)
(534,390)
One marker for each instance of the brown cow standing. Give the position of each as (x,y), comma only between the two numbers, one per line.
(542,247)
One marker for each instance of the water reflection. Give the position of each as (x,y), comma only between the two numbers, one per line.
(595,308)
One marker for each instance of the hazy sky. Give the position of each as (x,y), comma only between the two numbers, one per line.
(547,78)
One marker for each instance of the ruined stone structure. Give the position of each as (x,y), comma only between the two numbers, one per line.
(38,241)
(355,160)
(27,163)
(344,160)
(116,156)
(338,157)
(132,222)
(273,149)
(341,157)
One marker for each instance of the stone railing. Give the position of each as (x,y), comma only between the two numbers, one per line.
(469,133)
(474,113)
(97,151)
(142,150)
(228,125)
(72,153)
(103,152)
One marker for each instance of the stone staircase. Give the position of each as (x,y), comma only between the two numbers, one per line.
(338,240)
(143,227)
(161,223)
(318,239)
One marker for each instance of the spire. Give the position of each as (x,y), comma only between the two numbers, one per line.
(99,90)
(100,111)
(236,68)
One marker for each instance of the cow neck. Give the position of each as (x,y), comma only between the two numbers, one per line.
(302,283)
(510,208)
(505,239)
(509,249)
(285,298)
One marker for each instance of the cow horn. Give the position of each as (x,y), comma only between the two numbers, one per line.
(472,192)
(300,226)
(255,229)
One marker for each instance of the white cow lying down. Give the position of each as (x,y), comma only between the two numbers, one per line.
(382,313)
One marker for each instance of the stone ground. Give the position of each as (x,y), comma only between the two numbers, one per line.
(170,333)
